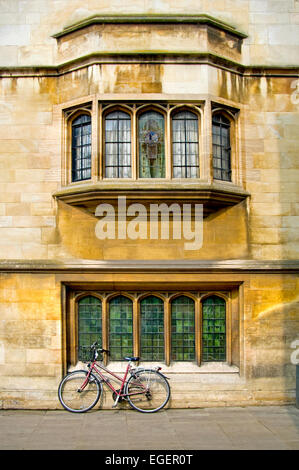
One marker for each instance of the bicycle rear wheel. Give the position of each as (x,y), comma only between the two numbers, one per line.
(73,397)
(148,391)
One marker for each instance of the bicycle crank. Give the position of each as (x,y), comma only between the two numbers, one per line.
(115,396)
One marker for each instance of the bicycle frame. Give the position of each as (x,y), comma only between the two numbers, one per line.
(119,393)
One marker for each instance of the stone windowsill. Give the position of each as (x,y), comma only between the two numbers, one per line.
(213,196)
(175,368)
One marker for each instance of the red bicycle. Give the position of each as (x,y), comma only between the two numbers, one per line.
(146,390)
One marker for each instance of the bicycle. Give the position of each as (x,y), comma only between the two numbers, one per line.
(146,390)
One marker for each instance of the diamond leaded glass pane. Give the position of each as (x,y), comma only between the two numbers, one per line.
(89,325)
(214,329)
(120,328)
(152,329)
(183,329)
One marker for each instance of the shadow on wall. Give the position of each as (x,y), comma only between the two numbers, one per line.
(225,236)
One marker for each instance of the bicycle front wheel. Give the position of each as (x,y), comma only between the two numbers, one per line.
(76,397)
(147,391)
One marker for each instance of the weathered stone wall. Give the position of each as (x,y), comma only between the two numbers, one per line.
(31,153)
(34,226)
(32,338)
(27,26)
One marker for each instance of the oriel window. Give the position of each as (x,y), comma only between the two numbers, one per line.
(221,147)
(81,148)
(118,145)
(185,145)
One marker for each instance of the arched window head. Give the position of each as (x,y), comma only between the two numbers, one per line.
(213,329)
(221,126)
(118,145)
(185,145)
(151,145)
(81,148)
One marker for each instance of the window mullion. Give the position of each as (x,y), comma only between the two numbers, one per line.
(198,332)
(101,163)
(185,156)
(167,331)
(118,146)
(105,328)
(134,153)
(168,142)
(206,163)
(136,328)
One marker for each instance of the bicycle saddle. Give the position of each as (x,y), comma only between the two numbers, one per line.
(132,358)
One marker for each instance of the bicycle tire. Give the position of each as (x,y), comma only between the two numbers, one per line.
(75,401)
(157,395)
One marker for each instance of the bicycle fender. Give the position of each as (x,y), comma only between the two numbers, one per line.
(165,376)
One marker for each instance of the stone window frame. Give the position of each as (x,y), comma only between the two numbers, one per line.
(232,321)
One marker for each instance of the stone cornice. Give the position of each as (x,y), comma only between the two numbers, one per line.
(150,19)
(150,57)
(145,266)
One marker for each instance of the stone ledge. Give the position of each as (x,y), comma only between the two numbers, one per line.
(213,196)
(200,266)
(149,57)
(150,19)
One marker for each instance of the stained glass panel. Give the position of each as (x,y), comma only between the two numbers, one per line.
(151,145)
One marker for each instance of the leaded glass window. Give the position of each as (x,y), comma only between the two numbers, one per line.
(89,325)
(81,148)
(185,145)
(151,145)
(120,327)
(118,145)
(221,147)
(214,329)
(152,329)
(182,329)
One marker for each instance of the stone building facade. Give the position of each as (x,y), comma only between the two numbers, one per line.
(109,104)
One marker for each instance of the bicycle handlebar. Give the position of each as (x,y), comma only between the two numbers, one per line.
(95,348)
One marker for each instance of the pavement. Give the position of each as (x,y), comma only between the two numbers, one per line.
(237,428)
